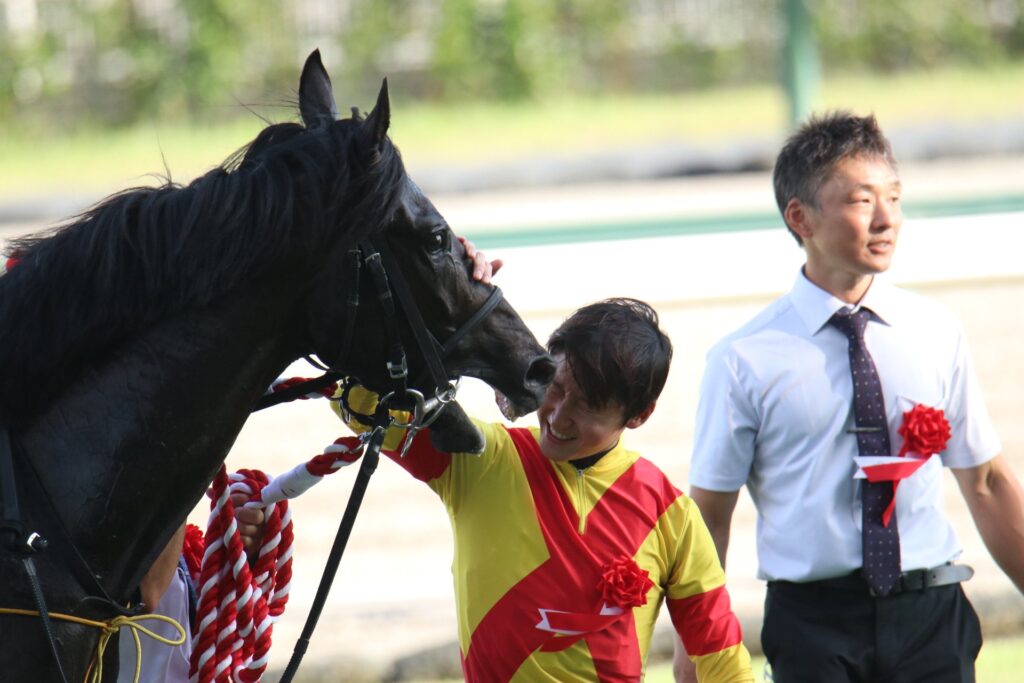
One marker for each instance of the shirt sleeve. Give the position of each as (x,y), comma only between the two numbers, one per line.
(973,438)
(726,427)
(699,603)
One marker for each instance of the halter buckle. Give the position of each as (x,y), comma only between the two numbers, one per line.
(35,543)
(20,540)
(418,409)
(399,369)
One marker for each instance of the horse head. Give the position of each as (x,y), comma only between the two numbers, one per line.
(472,330)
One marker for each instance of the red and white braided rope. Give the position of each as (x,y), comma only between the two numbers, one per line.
(238,605)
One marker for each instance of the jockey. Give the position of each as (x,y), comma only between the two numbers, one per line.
(567,543)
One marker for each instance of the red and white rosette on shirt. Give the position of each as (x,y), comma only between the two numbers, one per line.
(925,433)
(623,586)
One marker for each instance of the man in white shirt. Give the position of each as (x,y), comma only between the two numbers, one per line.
(779,413)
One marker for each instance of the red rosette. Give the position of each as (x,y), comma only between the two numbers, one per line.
(623,584)
(193,549)
(925,431)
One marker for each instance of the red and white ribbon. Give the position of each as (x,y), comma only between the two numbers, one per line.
(876,468)
(238,606)
(567,628)
(343,452)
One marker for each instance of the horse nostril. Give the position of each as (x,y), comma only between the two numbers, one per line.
(541,371)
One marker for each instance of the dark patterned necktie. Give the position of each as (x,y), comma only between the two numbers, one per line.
(881,544)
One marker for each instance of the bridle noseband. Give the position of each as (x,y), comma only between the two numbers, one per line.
(424,411)
(424,408)
(395,297)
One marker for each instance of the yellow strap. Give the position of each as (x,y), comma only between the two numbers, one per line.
(54,615)
(136,628)
(109,629)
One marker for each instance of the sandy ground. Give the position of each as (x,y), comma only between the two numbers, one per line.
(393,593)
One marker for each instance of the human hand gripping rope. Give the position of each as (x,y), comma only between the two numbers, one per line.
(238,605)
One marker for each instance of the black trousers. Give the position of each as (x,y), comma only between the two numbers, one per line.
(816,633)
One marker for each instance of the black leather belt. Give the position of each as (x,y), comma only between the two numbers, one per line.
(916,580)
(943,575)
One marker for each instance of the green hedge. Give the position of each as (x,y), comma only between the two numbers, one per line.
(122,61)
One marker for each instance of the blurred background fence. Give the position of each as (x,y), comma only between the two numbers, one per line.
(112,62)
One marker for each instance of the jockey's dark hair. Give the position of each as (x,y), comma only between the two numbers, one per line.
(809,156)
(616,352)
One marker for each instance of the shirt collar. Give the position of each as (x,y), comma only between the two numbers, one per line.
(616,458)
(815,306)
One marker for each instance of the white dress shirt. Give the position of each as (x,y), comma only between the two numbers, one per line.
(775,407)
(160,662)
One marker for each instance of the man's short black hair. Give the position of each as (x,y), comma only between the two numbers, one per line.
(812,152)
(616,352)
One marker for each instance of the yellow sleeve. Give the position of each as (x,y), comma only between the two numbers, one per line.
(699,605)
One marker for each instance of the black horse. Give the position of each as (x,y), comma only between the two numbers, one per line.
(135,341)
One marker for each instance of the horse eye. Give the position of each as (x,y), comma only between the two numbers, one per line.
(438,241)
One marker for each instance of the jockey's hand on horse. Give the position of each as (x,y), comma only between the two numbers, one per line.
(483,270)
(250,525)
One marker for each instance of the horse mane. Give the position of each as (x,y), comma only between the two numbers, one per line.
(273,209)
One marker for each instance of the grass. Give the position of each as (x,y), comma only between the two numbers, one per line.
(1001,661)
(432,134)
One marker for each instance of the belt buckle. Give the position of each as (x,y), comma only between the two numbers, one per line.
(917,580)
(902,585)
(896,589)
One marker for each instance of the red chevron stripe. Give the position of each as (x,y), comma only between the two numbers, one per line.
(617,525)
(706,622)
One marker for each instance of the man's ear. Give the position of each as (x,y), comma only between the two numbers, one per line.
(641,417)
(797,217)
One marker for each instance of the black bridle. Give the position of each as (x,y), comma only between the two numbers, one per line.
(394,296)
(390,284)
(17,539)
(21,541)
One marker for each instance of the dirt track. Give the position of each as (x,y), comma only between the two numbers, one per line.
(393,594)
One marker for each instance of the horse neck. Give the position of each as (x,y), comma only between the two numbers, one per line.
(129,449)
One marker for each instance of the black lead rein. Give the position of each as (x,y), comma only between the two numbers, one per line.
(381,264)
(21,541)
(366,469)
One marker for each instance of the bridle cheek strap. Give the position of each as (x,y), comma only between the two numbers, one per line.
(394,295)
(432,350)
(21,542)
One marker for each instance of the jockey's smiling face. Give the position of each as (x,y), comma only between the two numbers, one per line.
(571,428)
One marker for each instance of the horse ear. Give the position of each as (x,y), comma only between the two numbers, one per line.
(380,118)
(316,96)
